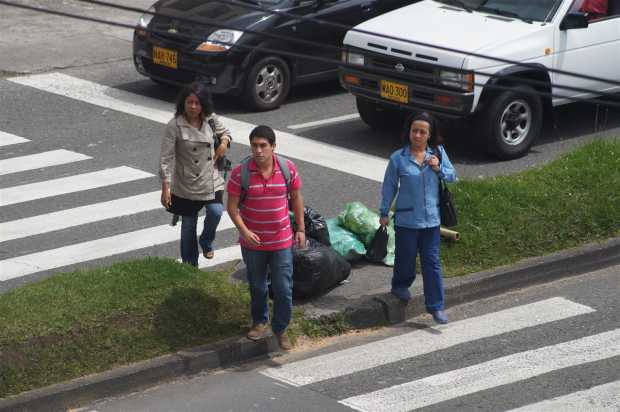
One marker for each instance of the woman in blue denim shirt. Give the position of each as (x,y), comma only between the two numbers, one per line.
(413,173)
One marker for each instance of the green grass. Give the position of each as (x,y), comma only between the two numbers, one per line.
(83,322)
(570,202)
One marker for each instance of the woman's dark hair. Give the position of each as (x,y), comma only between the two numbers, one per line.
(435,139)
(265,132)
(201,91)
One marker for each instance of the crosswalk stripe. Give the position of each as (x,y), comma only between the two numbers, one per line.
(49,222)
(95,249)
(70,184)
(501,371)
(325,121)
(39,160)
(418,343)
(322,154)
(9,139)
(224,255)
(602,398)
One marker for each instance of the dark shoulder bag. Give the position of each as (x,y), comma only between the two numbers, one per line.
(447,210)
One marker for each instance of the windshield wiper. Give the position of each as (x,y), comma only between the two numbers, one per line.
(457,3)
(504,13)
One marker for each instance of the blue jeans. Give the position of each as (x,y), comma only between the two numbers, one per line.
(410,242)
(281,264)
(189,245)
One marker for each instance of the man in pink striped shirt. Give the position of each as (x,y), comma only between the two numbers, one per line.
(266,237)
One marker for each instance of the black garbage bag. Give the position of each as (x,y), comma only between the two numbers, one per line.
(377,249)
(315,226)
(317,269)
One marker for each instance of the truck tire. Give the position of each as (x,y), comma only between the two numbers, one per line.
(377,116)
(511,122)
(267,84)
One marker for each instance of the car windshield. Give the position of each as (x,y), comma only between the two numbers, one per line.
(528,10)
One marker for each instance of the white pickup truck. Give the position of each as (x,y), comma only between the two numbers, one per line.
(434,56)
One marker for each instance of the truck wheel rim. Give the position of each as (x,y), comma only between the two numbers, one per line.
(515,122)
(269,83)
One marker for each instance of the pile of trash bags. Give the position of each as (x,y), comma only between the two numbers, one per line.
(333,244)
(361,223)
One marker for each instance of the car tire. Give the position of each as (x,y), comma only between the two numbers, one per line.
(512,122)
(267,84)
(378,117)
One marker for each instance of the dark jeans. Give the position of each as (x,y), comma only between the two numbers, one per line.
(410,242)
(281,264)
(189,245)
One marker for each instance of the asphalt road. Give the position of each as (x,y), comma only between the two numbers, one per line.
(550,347)
(86,98)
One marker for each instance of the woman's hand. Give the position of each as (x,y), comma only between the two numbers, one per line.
(222,148)
(166,198)
(251,237)
(384,220)
(433,162)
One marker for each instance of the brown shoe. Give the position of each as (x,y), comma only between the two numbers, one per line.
(257,331)
(283,341)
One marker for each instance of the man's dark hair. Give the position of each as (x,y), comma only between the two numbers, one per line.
(265,132)
(201,91)
(434,139)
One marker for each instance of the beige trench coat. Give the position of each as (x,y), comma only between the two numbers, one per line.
(186,160)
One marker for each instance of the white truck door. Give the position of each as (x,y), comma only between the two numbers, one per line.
(594,51)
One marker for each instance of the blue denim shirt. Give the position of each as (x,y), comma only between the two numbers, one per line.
(417,204)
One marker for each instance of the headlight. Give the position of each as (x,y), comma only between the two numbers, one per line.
(146,18)
(355,58)
(220,40)
(459,80)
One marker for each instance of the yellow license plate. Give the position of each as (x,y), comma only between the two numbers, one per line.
(394,91)
(165,57)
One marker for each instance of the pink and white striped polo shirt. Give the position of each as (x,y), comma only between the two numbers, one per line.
(265,206)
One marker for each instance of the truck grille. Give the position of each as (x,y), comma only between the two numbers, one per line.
(413,71)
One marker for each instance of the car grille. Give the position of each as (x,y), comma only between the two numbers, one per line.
(186,35)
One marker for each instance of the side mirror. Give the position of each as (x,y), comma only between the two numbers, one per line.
(574,20)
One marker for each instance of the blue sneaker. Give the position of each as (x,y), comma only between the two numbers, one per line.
(440,317)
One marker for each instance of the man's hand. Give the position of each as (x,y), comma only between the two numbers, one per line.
(384,220)
(300,239)
(251,237)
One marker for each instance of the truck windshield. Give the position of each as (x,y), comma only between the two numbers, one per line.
(536,10)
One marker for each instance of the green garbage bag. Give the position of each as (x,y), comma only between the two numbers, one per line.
(344,242)
(362,221)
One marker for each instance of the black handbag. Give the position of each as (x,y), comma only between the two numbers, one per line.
(447,210)
(377,250)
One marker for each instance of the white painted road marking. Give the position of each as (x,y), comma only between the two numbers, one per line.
(49,222)
(418,343)
(308,150)
(486,375)
(9,139)
(39,160)
(602,398)
(323,122)
(70,184)
(94,249)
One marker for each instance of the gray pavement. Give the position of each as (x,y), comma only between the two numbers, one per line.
(38,43)
(244,388)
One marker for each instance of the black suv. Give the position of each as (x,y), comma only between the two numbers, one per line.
(227,43)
